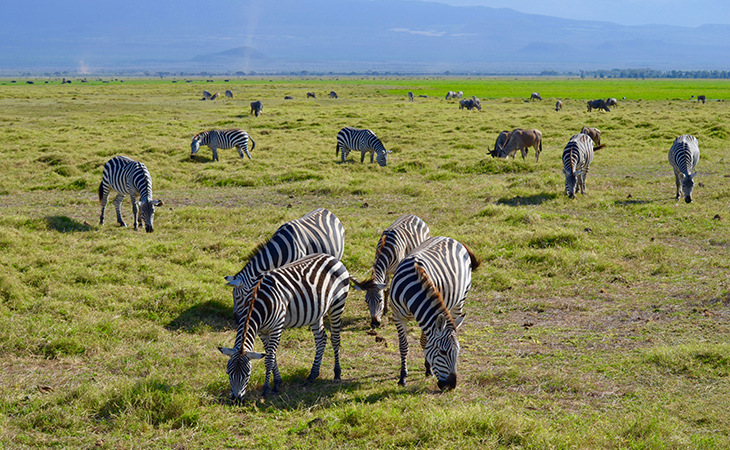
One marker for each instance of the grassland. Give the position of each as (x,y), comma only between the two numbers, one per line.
(601,322)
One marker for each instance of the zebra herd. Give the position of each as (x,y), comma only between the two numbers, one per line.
(296,279)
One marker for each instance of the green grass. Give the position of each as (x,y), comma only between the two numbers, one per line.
(601,322)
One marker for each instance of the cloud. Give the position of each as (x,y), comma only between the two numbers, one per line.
(422,33)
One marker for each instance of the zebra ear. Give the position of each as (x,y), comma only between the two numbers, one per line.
(379,286)
(356,284)
(692,176)
(232,281)
(255,355)
(157,202)
(227,351)
(389,151)
(440,323)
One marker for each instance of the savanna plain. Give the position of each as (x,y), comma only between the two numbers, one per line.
(597,322)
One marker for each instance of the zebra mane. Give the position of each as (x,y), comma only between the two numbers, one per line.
(425,279)
(254,292)
(379,250)
(255,251)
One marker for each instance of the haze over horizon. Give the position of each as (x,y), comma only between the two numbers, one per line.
(356,35)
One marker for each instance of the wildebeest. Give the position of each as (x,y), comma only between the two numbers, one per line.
(470,104)
(599,104)
(594,134)
(499,145)
(215,96)
(288,97)
(333,94)
(311,95)
(535,96)
(229,94)
(701,98)
(206,95)
(459,94)
(611,102)
(410,96)
(522,140)
(558,105)
(256,107)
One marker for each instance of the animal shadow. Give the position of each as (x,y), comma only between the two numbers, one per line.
(537,199)
(212,314)
(64,224)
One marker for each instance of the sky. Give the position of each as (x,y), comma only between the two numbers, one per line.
(689,13)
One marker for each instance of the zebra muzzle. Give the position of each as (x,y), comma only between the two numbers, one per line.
(448,384)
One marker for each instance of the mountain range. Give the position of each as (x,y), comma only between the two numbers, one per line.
(338,35)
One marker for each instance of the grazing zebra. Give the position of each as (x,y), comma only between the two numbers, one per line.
(297,294)
(229,94)
(223,139)
(396,242)
(318,231)
(684,156)
(311,95)
(129,177)
(611,102)
(410,96)
(333,94)
(459,95)
(470,104)
(535,96)
(431,285)
(450,95)
(206,95)
(349,139)
(257,107)
(577,158)
(558,105)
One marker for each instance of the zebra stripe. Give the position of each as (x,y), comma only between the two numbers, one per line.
(128,177)
(684,156)
(577,158)
(354,139)
(318,231)
(396,242)
(223,139)
(295,295)
(431,285)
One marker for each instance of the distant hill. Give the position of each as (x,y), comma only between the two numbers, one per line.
(340,35)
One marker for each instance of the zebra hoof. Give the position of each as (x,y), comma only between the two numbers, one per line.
(402,383)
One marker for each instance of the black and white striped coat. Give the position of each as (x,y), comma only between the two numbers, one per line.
(129,177)
(223,139)
(431,285)
(684,156)
(318,231)
(577,158)
(396,242)
(354,139)
(298,294)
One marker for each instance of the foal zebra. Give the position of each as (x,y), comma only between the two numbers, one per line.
(396,242)
(349,139)
(431,285)
(128,177)
(577,157)
(684,156)
(223,139)
(318,231)
(295,295)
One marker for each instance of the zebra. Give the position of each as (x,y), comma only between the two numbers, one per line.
(297,294)
(311,94)
(215,96)
(318,231)
(396,242)
(558,105)
(577,157)
(223,139)
(431,285)
(535,96)
(684,156)
(349,139)
(410,96)
(206,95)
(333,94)
(450,95)
(229,94)
(257,107)
(129,177)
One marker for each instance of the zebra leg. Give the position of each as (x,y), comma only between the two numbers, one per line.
(103,197)
(372,154)
(215,152)
(424,340)
(335,326)
(583,181)
(402,325)
(362,156)
(118,205)
(271,365)
(136,213)
(245,149)
(320,341)
(678,181)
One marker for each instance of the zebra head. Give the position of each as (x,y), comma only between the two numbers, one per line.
(382,157)
(239,370)
(374,297)
(442,350)
(195,145)
(147,213)
(571,183)
(688,183)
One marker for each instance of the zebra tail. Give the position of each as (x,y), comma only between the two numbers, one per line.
(475,262)
(599,147)
(100,190)
(253,143)
(337,150)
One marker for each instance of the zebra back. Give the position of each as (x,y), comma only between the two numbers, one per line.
(129,177)
(318,231)
(577,157)
(684,156)
(356,139)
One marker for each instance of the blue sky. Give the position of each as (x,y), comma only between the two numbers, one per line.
(689,13)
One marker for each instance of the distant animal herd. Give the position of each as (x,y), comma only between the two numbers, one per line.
(431,276)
